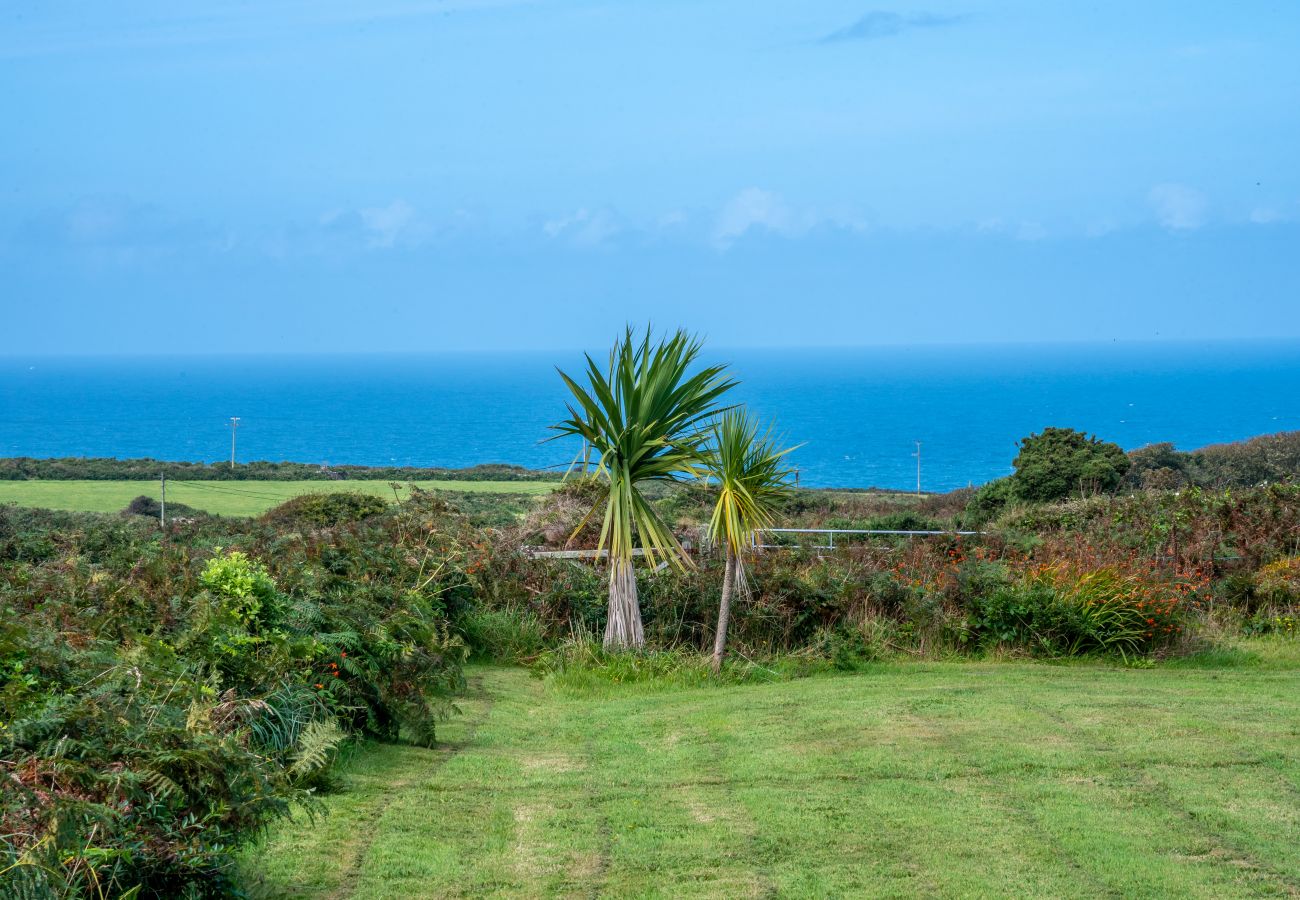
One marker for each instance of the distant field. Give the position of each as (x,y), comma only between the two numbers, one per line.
(225,498)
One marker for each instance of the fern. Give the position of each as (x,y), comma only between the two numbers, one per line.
(316,748)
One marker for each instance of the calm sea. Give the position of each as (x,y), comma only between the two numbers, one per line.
(858,412)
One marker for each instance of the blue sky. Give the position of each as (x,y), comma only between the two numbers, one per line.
(315,175)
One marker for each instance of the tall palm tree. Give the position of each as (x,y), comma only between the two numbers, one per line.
(749,474)
(642,417)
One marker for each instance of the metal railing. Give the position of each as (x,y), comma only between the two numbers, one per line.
(831,532)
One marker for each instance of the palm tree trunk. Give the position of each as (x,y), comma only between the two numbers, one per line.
(623,627)
(724,611)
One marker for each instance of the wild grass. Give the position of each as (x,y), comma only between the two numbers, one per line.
(938,779)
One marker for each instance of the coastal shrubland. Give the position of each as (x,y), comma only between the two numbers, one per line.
(1152,574)
(82,468)
(168,695)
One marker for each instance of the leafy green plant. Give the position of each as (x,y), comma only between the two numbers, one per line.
(245,587)
(1061,612)
(1059,462)
(641,416)
(751,478)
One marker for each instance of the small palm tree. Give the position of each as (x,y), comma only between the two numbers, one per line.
(749,473)
(642,417)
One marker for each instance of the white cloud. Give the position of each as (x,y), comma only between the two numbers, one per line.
(675,218)
(753,208)
(1263,215)
(1177,206)
(585,227)
(385,224)
(1020,229)
(1031,231)
(121,229)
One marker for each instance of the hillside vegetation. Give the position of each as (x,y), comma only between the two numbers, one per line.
(169,695)
(26,468)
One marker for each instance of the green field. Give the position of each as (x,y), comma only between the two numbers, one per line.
(224,498)
(924,779)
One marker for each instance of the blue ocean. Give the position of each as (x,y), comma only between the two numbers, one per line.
(858,413)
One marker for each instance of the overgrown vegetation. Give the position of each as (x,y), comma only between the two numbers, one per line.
(1150,574)
(165,695)
(164,699)
(1266,459)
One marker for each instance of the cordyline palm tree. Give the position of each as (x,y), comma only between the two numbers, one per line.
(750,476)
(642,417)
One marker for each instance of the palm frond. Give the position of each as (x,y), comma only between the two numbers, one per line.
(750,474)
(641,416)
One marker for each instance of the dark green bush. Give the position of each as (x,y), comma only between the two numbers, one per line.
(145,505)
(324,510)
(987,503)
(1062,462)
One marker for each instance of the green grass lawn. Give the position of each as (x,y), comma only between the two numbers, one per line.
(925,779)
(224,498)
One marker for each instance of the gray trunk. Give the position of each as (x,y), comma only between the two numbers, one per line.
(623,628)
(724,611)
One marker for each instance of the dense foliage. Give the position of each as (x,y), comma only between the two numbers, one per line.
(1267,459)
(23,468)
(1116,575)
(163,699)
(1062,462)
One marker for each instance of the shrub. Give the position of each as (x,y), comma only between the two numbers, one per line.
(987,503)
(1278,583)
(903,521)
(145,505)
(1060,611)
(1286,624)
(1061,461)
(851,648)
(324,510)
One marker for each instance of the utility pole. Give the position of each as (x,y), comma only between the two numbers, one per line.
(917,454)
(162,510)
(234,423)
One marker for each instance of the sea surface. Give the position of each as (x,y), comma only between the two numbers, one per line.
(858,413)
